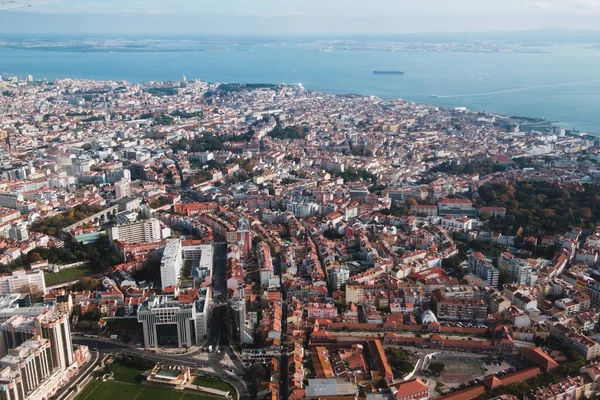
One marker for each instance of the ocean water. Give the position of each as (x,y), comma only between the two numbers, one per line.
(561,85)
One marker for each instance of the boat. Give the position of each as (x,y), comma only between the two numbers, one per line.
(388,72)
(434,96)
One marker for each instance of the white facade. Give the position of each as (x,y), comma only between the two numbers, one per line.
(188,321)
(339,276)
(122,188)
(145,231)
(22,281)
(171,263)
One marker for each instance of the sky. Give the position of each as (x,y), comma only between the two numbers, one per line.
(298,16)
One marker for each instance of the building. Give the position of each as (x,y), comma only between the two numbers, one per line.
(170,375)
(145,231)
(10,200)
(265,263)
(499,212)
(201,256)
(171,263)
(458,308)
(56,328)
(11,384)
(354,294)
(322,388)
(592,289)
(456,207)
(122,188)
(22,281)
(166,321)
(426,210)
(482,267)
(380,360)
(519,271)
(18,232)
(239,330)
(339,276)
(538,356)
(33,361)
(412,389)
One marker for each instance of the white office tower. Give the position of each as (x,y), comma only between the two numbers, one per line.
(144,231)
(171,263)
(122,188)
(166,321)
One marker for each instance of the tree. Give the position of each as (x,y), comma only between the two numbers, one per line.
(35,257)
(437,368)
(411,202)
(92,315)
(585,213)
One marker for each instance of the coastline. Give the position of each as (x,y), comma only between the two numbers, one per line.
(526,119)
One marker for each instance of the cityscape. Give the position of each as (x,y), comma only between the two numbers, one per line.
(199,239)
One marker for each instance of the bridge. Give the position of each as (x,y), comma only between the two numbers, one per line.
(98,218)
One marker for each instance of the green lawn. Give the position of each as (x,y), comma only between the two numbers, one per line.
(214,384)
(99,390)
(128,373)
(68,275)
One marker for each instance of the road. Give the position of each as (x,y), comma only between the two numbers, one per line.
(218,337)
(196,360)
(78,377)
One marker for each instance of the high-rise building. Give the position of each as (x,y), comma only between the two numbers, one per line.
(33,359)
(171,263)
(239,329)
(166,321)
(519,271)
(55,327)
(11,384)
(145,231)
(482,267)
(37,355)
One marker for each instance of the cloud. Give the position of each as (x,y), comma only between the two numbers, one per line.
(588,4)
(570,7)
(542,5)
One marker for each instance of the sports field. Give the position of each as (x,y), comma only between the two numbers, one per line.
(67,275)
(99,390)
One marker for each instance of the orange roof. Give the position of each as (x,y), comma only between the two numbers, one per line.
(411,387)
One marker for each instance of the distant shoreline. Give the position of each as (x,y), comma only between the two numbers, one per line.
(494,83)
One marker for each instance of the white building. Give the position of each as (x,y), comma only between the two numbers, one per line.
(145,231)
(171,263)
(122,188)
(22,281)
(166,321)
(456,206)
(339,276)
(519,271)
